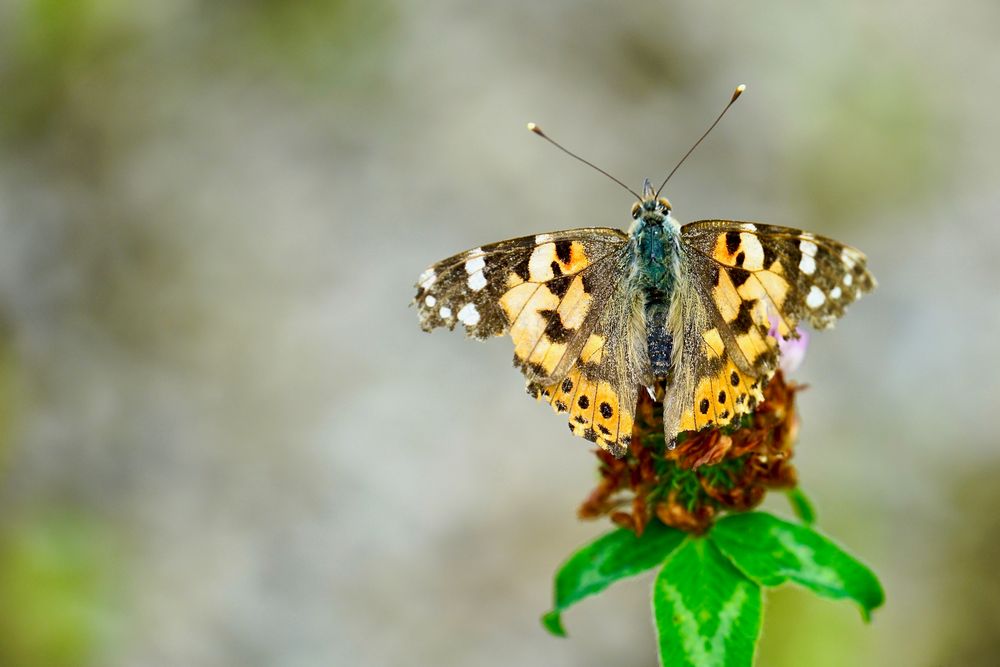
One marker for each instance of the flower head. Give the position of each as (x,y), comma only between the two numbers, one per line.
(710,471)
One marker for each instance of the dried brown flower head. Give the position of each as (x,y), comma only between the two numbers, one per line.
(709,471)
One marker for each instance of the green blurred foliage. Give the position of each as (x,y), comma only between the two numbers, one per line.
(875,148)
(51,48)
(323,43)
(56,53)
(57,591)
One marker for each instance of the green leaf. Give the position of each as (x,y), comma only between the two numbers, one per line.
(772,551)
(616,555)
(707,612)
(801,505)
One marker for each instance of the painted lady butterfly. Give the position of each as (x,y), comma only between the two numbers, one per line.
(684,311)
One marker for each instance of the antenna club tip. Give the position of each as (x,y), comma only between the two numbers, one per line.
(739,91)
(537,130)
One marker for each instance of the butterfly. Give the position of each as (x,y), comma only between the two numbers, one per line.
(690,313)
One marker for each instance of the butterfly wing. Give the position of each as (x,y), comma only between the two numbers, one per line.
(559,297)
(539,289)
(801,275)
(706,386)
(734,276)
(600,390)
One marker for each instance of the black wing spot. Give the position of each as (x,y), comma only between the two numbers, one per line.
(703,406)
(738,276)
(740,258)
(564,250)
(559,285)
(521,268)
(554,329)
(560,407)
(744,320)
(732,241)
(556,269)
(734,379)
(583,402)
(567,386)
(722,397)
(604,429)
(769,256)
(606,410)
(715,275)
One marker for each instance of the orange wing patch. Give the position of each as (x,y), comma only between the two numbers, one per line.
(756,275)
(713,393)
(546,305)
(721,398)
(597,412)
(743,305)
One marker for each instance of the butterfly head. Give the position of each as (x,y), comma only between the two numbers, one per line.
(652,209)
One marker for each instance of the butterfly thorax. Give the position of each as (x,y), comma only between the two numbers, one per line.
(656,241)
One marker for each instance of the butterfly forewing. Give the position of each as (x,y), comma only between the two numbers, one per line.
(799,274)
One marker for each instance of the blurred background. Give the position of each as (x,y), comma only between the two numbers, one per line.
(224,439)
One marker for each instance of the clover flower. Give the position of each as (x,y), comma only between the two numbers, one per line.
(709,471)
(684,513)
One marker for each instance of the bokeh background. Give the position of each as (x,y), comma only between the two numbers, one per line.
(225,441)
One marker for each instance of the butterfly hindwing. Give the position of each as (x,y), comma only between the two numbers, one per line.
(599,392)
(707,388)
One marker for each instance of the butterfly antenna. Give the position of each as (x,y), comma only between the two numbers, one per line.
(736,95)
(537,130)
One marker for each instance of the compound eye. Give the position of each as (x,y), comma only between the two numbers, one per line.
(664,204)
(636,209)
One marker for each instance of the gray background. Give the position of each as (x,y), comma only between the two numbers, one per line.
(225,440)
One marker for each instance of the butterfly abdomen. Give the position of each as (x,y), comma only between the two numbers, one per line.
(659,342)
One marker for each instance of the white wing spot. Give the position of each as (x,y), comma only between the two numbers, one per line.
(748,227)
(807,248)
(477,281)
(848,257)
(816,298)
(807,264)
(468,315)
(475,264)
(445,312)
(835,293)
(430,301)
(543,238)
(848,279)
(427,278)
